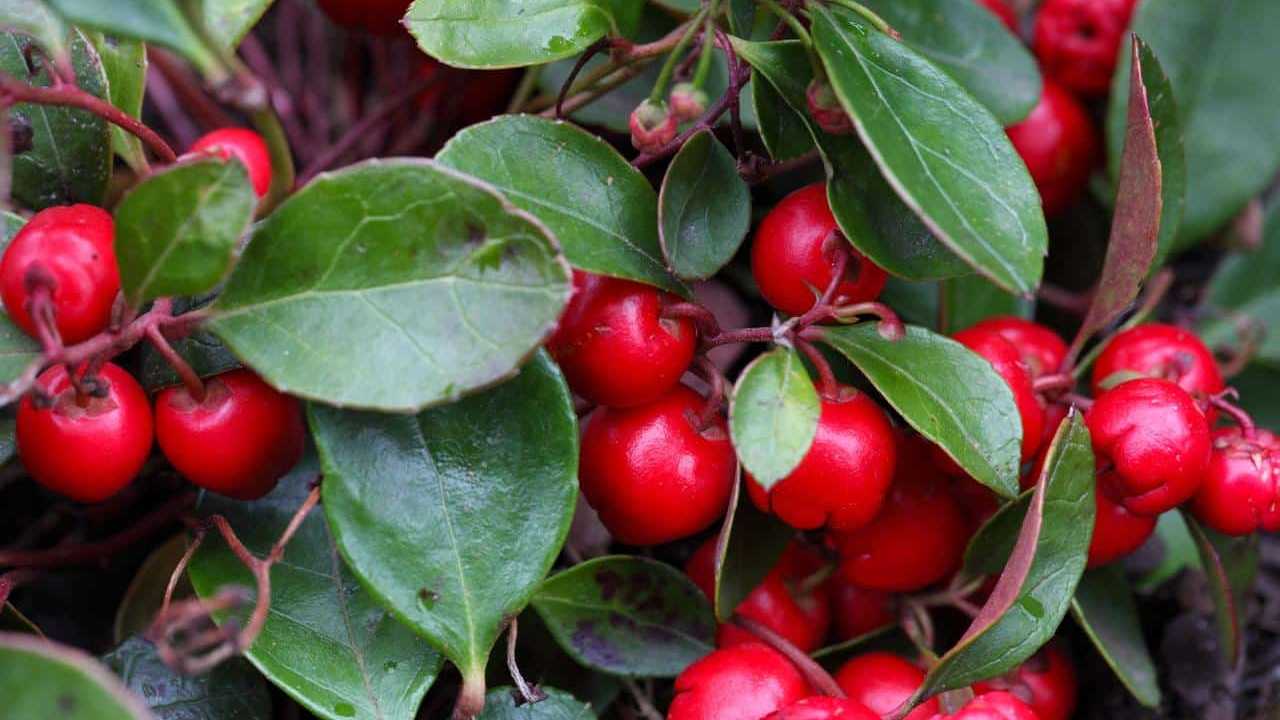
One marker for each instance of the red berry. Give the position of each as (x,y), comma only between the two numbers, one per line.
(1240,494)
(1078,41)
(1046,682)
(843,479)
(651,474)
(614,345)
(823,707)
(858,611)
(1157,440)
(780,602)
(1162,351)
(238,441)
(244,145)
(89,450)
(379,17)
(1060,146)
(919,536)
(1008,363)
(793,262)
(1117,532)
(992,706)
(1041,349)
(688,103)
(73,248)
(744,682)
(881,682)
(1003,12)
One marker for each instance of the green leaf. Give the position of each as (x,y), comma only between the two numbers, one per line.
(176,231)
(41,679)
(514,33)
(125,63)
(970,299)
(145,595)
(785,134)
(943,153)
(327,642)
(749,546)
(971,45)
(704,208)
(773,415)
(1230,565)
(35,19)
(70,158)
(1259,387)
(228,21)
(950,395)
(602,210)
(483,490)
(231,690)
(1034,591)
(1219,59)
(1103,606)
(1177,552)
(156,21)
(394,285)
(917,302)
(17,349)
(627,616)
(500,704)
(1243,291)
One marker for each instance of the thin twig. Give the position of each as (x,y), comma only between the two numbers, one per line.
(89,553)
(818,677)
(529,693)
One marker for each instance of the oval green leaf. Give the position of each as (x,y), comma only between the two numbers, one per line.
(501,704)
(145,595)
(970,299)
(17,349)
(944,153)
(950,395)
(749,546)
(125,63)
(230,690)
(603,211)
(327,642)
(704,208)
(35,19)
(627,616)
(392,285)
(155,21)
(1104,608)
(1230,565)
(227,21)
(41,679)
(773,415)
(483,490)
(785,134)
(1243,292)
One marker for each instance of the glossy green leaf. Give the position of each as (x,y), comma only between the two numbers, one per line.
(915,302)
(394,285)
(872,216)
(785,134)
(1230,565)
(946,392)
(514,33)
(1104,608)
(944,154)
(1219,59)
(125,63)
(327,642)
(482,492)
(1177,552)
(70,158)
(42,679)
(155,21)
(1259,387)
(989,548)
(228,21)
(704,208)
(501,704)
(1034,590)
(970,299)
(627,616)
(231,690)
(748,547)
(602,210)
(773,415)
(177,230)
(1243,296)
(17,349)
(972,45)
(145,595)
(34,19)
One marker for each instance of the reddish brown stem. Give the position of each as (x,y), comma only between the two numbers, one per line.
(715,395)
(590,52)
(89,553)
(1071,301)
(1051,383)
(1237,413)
(828,387)
(1079,401)
(834,243)
(818,677)
(742,335)
(197,539)
(702,317)
(190,378)
(707,121)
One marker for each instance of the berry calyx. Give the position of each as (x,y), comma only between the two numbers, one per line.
(1117,532)
(688,102)
(651,473)
(782,602)
(881,682)
(1240,494)
(1041,349)
(744,681)
(1160,351)
(826,110)
(1060,146)
(65,259)
(794,256)
(1157,441)
(992,706)
(238,440)
(1003,12)
(377,17)
(824,707)
(87,448)
(843,479)
(1077,41)
(652,126)
(858,611)
(614,345)
(240,144)
(1047,683)
(1008,363)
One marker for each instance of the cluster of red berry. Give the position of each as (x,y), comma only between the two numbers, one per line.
(85,432)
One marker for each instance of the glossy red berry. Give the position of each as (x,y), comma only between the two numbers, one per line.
(1157,441)
(614,345)
(745,682)
(992,706)
(1117,532)
(1003,12)
(1008,363)
(1060,146)
(881,682)
(823,707)
(651,473)
(783,603)
(793,255)
(1041,349)
(238,441)
(87,449)
(244,145)
(1240,494)
(843,479)
(858,611)
(73,249)
(379,17)
(1077,41)
(1161,351)
(1046,682)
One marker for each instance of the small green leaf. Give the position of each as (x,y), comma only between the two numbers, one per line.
(773,415)
(1230,565)
(1244,297)
(231,690)
(482,492)
(145,595)
(228,21)
(1104,608)
(177,230)
(1177,552)
(125,63)
(785,134)
(501,704)
(17,349)
(35,19)
(946,392)
(42,679)
(627,616)
(970,299)
(704,208)
(749,546)
(155,21)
